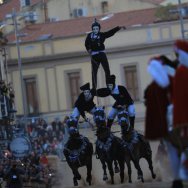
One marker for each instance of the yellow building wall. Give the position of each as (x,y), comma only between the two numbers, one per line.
(52,89)
(41,88)
(61,80)
(132,36)
(69,45)
(27,50)
(48,76)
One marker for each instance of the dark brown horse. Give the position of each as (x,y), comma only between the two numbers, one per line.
(109,148)
(78,152)
(138,146)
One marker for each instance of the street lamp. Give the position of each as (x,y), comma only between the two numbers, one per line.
(181,19)
(14,18)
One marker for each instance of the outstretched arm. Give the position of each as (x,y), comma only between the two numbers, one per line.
(111,32)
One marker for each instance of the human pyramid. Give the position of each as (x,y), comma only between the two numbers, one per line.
(164,93)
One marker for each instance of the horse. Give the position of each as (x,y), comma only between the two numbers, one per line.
(78,152)
(109,148)
(138,146)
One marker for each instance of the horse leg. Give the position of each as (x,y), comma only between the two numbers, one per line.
(116,169)
(122,168)
(75,181)
(128,162)
(89,168)
(139,170)
(105,177)
(76,176)
(149,160)
(111,171)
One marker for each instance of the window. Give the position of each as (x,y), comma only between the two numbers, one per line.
(74,83)
(132,81)
(31,96)
(104,6)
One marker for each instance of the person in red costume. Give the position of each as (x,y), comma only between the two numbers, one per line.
(159,107)
(157,97)
(180,88)
(180,104)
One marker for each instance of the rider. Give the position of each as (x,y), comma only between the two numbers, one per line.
(84,102)
(122,98)
(94,44)
(72,124)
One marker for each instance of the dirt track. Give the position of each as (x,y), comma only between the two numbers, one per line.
(161,169)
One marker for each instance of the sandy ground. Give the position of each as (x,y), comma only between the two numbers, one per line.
(161,169)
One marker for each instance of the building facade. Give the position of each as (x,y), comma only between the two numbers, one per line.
(54,69)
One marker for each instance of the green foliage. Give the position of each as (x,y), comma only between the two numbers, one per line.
(163,12)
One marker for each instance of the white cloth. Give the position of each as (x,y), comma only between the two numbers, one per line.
(113,112)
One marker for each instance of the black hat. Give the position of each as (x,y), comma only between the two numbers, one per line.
(112,79)
(85,87)
(167,61)
(95,23)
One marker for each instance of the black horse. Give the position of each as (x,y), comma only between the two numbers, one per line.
(78,152)
(109,148)
(138,146)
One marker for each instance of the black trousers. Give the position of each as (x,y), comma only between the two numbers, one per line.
(95,63)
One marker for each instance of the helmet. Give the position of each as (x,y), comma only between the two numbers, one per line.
(73,131)
(95,23)
(72,122)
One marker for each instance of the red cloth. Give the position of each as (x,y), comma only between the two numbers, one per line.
(44,160)
(156,109)
(180,97)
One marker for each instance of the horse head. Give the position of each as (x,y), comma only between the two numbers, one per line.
(99,116)
(72,124)
(123,120)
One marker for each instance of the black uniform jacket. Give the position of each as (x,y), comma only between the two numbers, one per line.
(123,98)
(84,105)
(97,44)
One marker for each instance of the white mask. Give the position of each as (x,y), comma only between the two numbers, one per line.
(110,86)
(95,30)
(87,94)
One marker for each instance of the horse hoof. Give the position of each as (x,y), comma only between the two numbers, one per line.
(154,176)
(130,181)
(78,177)
(105,178)
(116,170)
(75,183)
(141,178)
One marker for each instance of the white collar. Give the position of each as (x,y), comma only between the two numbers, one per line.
(115,90)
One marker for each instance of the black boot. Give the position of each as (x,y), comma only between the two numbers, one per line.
(177,184)
(132,121)
(109,123)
